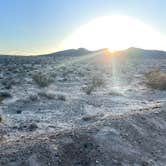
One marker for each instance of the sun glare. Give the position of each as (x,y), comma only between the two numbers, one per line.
(115,33)
(112,51)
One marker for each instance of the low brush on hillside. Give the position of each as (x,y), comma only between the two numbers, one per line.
(156,79)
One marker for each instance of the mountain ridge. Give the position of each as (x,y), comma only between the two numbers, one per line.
(82,51)
(133,51)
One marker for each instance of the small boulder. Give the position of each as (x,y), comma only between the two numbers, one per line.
(32,127)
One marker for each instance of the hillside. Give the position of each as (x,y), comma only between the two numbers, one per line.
(142,52)
(81,108)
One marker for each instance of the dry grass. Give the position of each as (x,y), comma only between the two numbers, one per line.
(42,80)
(95,83)
(156,79)
(1,99)
(34,97)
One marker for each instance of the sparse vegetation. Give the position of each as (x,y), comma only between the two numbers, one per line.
(3,96)
(32,127)
(91,114)
(61,97)
(33,97)
(1,99)
(156,79)
(0,118)
(42,80)
(27,127)
(95,83)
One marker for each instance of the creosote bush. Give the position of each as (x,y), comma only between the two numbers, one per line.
(156,79)
(33,97)
(1,99)
(61,97)
(42,80)
(95,83)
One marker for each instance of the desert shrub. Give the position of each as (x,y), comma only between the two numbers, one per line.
(1,99)
(42,80)
(32,127)
(27,127)
(95,83)
(61,97)
(5,94)
(33,97)
(0,118)
(156,79)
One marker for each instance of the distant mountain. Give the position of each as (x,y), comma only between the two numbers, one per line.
(132,51)
(70,52)
(46,58)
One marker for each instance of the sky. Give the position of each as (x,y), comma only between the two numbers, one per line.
(41,26)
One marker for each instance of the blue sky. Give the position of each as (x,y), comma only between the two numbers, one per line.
(39,26)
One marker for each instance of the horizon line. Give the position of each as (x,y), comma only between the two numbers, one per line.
(54,52)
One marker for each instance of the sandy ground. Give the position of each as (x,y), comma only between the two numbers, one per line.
(121,122)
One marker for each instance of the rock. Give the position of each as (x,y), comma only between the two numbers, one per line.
(32,127)
(18,111)
(61,97)
(27,127)
(5,94)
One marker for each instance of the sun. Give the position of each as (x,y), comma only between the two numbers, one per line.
(112,51)
(115,33)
